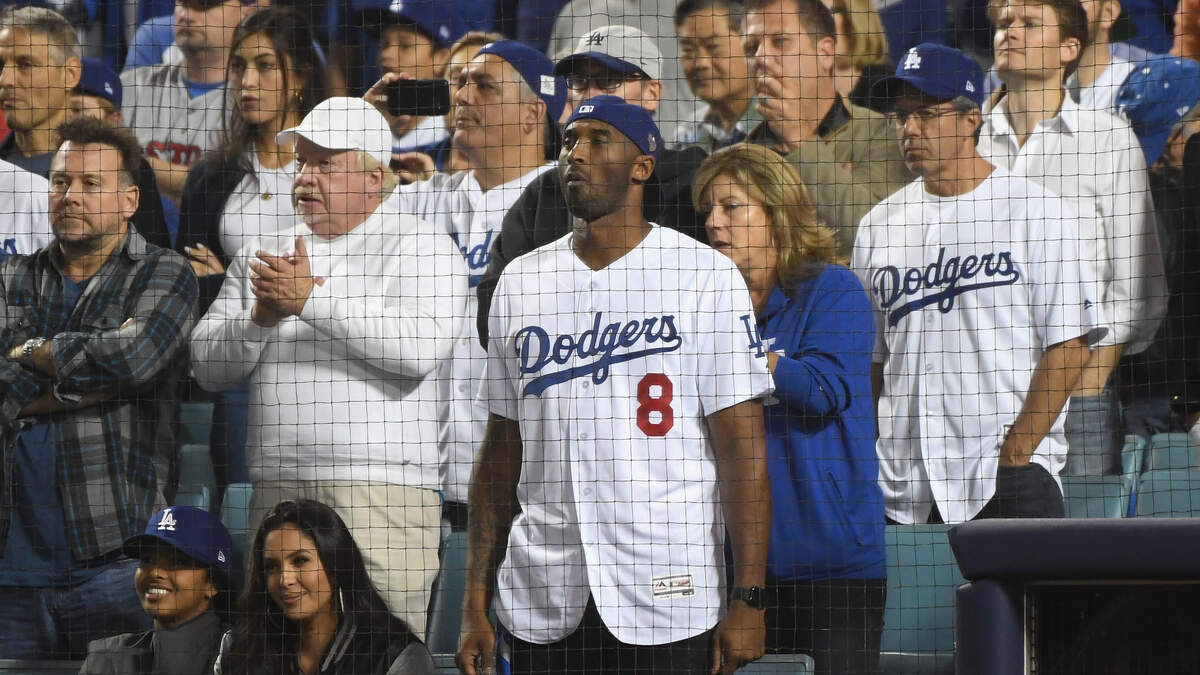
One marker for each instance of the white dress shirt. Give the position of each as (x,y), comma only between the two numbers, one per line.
(969,293)
(611,375)
(1094,161)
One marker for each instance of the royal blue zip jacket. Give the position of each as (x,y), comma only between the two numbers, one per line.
(827,517)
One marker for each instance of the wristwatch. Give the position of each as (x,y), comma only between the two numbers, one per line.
(31,346)
(754,597)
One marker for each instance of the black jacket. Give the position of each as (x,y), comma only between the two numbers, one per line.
(209,184)
(539,216)
(142,653)
(148,220)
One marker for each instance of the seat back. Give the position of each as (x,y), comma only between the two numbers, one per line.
(196,472)
(195,423)
(789,664)
(235,515)
(922,577)
(1095,496)
(1169,494)
(1170,451)
(445,607)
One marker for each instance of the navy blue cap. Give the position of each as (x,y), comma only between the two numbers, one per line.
(436,18)
(632,120)
(196,532)
(97,79)
(1155,97)
(536,69)
(936,70)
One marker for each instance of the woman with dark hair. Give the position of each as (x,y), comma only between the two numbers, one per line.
(181,578)
(274,77)
(309,606)
(826,563)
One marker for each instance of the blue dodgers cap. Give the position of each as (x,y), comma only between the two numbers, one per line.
(632,120)
(196,532)
(1155,97)
(436,18)
(536,69)
(97,79)
(936,70)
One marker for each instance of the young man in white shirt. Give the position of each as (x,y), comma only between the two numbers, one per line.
(983,331)
(506,109)
(1093,160)
(625,433)
(340,323)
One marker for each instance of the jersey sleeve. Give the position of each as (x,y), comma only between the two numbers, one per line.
(498,388)
(731,360)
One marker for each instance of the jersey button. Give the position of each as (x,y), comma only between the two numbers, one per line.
(584,384)
(584,436)
(587,492)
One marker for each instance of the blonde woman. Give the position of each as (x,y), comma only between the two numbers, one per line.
(826,561)
(862,51)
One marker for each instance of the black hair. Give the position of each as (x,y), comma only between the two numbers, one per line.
(735,10)
(266,642)
(87,130)
(292,37)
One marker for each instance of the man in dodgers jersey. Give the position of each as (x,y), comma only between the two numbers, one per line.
(507,104)
(983,316)
(625,431)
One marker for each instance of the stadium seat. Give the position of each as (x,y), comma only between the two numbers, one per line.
(235,515)
(445,611)
(918,622)
(1169,494)
(1095,496)
(24,667)
(195,423)
(791,664)
(196,471)
(1133,462)
(198,497)
(1169,452)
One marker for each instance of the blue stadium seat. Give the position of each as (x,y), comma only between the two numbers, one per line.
(1170,451)
(791,664)
(195,423)
(198,497)
(1095,496)
(25,667)
(1169,494)
(235,515)
(445,610)
(196,470)
(918,622)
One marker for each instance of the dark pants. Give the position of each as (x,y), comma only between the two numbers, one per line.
(838,622)
(592,649)
(1024,492)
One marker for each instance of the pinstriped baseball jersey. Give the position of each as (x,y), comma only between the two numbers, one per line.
(168,122)
(24,223)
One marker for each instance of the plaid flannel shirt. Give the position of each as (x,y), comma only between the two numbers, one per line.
(127,337)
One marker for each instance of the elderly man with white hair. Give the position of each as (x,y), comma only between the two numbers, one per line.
(340,322)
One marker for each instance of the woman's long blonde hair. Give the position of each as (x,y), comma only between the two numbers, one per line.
(801,239)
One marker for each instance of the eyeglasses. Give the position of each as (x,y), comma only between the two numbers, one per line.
(608,81)
(923,116)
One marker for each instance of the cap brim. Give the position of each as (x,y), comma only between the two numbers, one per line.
(567,65)
(133,546)
(890,88)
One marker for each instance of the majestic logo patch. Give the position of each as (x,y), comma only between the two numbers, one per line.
(890,285)
(536,350)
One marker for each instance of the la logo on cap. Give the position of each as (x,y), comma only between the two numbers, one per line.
(912,61)
(167,522)
(596,38)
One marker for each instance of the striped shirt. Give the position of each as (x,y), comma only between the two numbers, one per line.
(127,337)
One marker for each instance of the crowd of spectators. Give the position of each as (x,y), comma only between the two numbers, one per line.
(670,312)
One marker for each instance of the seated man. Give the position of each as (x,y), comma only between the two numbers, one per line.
(95,330)
(340,346)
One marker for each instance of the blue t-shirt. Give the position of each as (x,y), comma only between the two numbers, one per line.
(37,552)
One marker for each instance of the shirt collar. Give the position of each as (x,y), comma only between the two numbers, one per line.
(775,303)
(836,118)
(340,643)
(996,112)
(132,246)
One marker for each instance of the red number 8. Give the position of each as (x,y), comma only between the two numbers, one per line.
(660,404)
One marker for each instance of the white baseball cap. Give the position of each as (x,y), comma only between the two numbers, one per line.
(622,48)
(345,123)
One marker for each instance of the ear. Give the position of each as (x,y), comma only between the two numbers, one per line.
(115,118)
(439,57)
(129,197)
(826,54)
(651,95)
(1069,50)
(531,115)
(643,167)
(72,71)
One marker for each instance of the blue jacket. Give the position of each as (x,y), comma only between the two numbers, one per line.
(827,509)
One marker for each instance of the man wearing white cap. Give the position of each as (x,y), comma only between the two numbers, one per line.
(339,322)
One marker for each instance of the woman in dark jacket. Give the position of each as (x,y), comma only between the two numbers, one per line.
(309,606)
(183,571)
(243,190)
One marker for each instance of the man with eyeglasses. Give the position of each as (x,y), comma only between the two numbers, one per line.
(844,153)
(984,318)
(619,61)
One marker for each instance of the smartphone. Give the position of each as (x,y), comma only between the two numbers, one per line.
(424,98)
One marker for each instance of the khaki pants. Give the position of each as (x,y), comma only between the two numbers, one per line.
(396,527)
